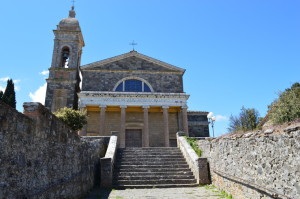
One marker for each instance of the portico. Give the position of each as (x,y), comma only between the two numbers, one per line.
(139,119)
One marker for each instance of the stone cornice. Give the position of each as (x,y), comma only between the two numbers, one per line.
(197,112)
(133,71)
(93,98)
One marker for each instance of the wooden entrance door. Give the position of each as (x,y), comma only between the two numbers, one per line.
(133,138)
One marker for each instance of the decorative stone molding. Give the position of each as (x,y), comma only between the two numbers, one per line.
(93,98)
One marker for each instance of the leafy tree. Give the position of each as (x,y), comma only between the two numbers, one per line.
(73,118)
(287,107)
(248,119)
(1,94)
(9,96)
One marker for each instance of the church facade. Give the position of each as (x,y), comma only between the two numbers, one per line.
(138,98)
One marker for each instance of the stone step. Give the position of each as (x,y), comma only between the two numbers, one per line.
(149,153)
(149,149)
(149,186)
(159,173)
(154,177)
(133,167)
(155,182)
(140,156)
(152,167)
(154,170)
(149,162)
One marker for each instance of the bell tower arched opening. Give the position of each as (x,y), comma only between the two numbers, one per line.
(65,56)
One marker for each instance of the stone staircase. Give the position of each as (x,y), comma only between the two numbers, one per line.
(152,167)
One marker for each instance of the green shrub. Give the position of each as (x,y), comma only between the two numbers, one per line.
(287,107)
(193,143)
(73,118)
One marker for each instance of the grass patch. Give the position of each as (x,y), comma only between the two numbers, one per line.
(221,193)
(193,143)
(119,197)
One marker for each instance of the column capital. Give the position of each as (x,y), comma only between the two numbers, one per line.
(123,106)
(184,107)
(102,106)
(165,107)
(144,107)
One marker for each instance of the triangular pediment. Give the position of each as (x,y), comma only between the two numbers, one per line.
(132,61)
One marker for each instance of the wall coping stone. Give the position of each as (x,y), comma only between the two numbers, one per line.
(107,163)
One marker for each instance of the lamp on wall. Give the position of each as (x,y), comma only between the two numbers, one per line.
(211,120)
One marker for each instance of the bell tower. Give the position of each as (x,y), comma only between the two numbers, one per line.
(64,73)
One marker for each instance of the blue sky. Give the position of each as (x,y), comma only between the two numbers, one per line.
(236,52)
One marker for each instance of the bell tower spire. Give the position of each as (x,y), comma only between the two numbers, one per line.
(64,73)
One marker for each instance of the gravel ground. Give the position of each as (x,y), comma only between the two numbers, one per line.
(157,193)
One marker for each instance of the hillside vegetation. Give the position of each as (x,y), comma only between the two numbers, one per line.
(284,109)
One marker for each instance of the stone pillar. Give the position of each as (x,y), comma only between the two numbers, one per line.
(102,120)
(185,120)
(166,125)
(123,126)
(146,127)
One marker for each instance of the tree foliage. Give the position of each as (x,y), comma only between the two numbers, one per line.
(9,95)
(248,119)
(73,118)
(287,107)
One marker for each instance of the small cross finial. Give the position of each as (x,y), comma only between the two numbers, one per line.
(73,4)
(133,44)
(72,11)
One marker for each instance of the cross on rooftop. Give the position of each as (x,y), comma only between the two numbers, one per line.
(133,44)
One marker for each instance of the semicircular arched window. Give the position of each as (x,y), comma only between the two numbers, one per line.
(133,85)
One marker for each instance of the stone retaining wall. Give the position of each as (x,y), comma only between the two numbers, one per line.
(40,157)
(256,165)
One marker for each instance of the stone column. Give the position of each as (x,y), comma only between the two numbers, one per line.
(146,127)
(123,127)
(166,125)
(102,120)
(185,120)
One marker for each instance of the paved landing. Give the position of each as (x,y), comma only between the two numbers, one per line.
(156,193)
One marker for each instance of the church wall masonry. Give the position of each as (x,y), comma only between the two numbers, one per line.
(107,76)
(171,83)
(257,164)
(42,158)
